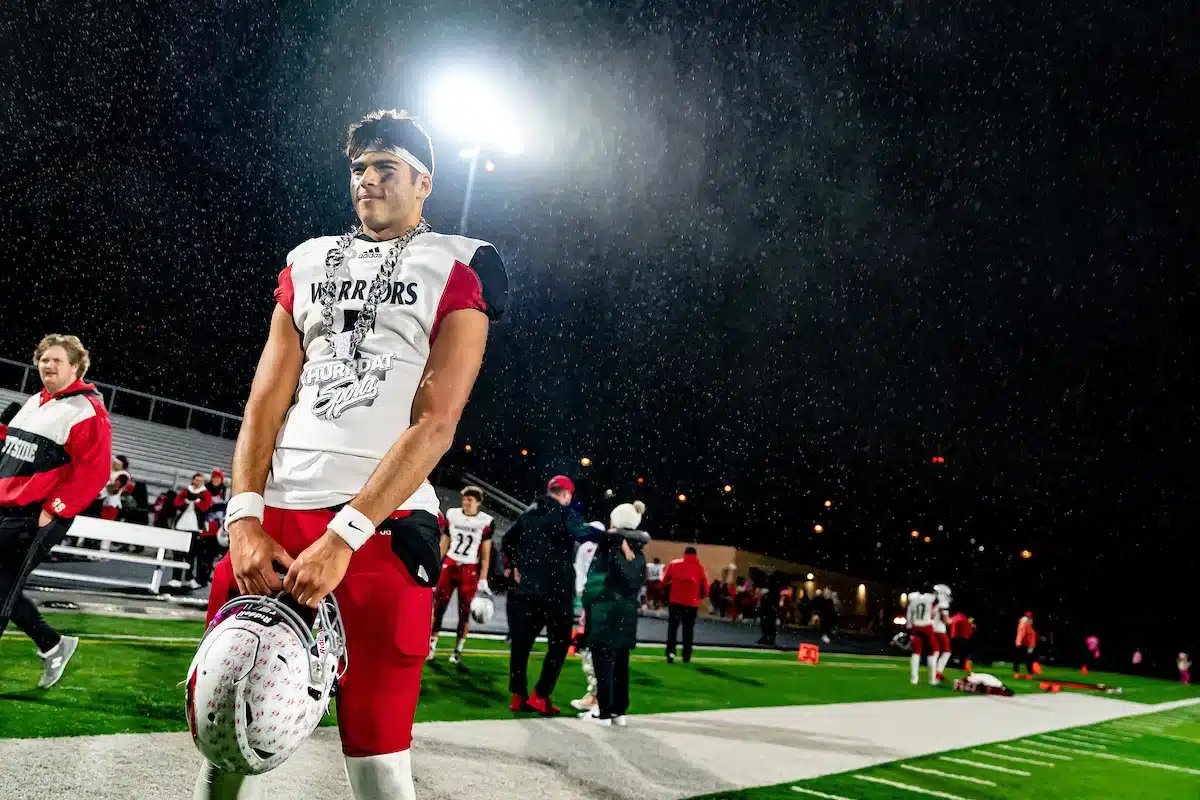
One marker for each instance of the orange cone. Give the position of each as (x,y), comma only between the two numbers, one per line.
(1037,668)
(1083,670)
(968,665)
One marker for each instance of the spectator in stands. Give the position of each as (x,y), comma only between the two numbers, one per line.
(54,459)
(685,585)
(717,597)
(219,490)
(194,502)
(163,514)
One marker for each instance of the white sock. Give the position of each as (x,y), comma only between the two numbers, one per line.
(943,661)
(433,642)
(458,646)
(216,784)
(932,661)
(916,667)
(385,777)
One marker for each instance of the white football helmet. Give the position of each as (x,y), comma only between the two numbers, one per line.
(261,681)
(482,608)
(944,596)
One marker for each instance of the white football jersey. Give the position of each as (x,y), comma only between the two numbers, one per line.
(922,609)
(466,534)
(654,572)
(346,415)
(942,613)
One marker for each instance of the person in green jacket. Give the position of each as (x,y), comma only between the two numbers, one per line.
(610,605)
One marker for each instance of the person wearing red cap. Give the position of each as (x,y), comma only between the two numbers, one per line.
(539,552)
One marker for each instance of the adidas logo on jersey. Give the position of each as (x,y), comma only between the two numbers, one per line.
(374,252)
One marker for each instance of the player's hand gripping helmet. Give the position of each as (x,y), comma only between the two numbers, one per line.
(261,680)
(482,608)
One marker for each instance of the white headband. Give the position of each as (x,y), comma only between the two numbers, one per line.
(378,146)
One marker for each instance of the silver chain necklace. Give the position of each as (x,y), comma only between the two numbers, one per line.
(380,285)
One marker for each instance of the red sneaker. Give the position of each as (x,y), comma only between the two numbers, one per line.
(543,706)
(519,704)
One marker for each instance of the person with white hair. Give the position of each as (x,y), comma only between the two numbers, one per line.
(610,603)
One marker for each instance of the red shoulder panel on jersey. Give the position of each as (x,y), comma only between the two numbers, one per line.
(463,290)
(285,292)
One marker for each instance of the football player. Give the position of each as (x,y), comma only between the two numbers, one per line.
(466,558)
(922,611)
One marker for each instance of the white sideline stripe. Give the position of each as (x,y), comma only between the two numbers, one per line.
(907,788)
(1018,759)
(1033,752)
(1061,740)
(815,793)
(981,765)
(939,773)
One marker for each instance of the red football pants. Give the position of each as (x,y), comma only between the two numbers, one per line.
(387,616)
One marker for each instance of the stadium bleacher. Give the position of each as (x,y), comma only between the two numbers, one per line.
(160,456)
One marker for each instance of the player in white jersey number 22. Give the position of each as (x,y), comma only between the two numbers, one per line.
(466,558)
(375,342)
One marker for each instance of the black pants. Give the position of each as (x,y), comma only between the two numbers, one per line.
(960,651)
(527,615)
(1023,656)
(769,624)
(612,681)
(204,552)
(182,574)
(23,545)
(677,614)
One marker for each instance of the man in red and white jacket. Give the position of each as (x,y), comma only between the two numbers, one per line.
(54,459)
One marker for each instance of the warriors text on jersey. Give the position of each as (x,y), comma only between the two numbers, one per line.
(347,414)
(466,535)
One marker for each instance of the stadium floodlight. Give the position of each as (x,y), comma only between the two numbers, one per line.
(470,108)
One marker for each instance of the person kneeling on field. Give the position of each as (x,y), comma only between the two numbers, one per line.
(610,604)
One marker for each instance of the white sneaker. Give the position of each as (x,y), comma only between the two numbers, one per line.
(454,657)
(916,681)
(621,721)
(192,584)
(175,584)
(594,718)
(55,662)
(585,703)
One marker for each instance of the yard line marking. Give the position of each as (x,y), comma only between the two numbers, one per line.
(1083,740)
(1068,749)
(1018,759)
(1138,761)
(1061,740)
(908,788)
(981,765)
(1103,737)
(1033,752)
(802,790)
(1179,738)
(941,774)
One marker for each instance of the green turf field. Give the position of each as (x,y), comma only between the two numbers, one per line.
(1154,757)
(130,685)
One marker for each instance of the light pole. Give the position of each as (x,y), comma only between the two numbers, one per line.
(473,154)
(465,106)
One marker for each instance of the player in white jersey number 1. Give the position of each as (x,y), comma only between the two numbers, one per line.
(466,558)
(375,342)
(922,611)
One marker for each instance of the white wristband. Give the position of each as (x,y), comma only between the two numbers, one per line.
(246,504)
(353,526)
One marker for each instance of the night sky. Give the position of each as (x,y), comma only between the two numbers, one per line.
(797,250)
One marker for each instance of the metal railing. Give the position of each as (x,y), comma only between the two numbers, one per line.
(22,377)
(500,498)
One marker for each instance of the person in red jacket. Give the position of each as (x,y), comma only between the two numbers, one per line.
(1026,643)
(193,502)
(685,584)
(54,459)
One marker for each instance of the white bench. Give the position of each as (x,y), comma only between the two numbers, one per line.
(160,540)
